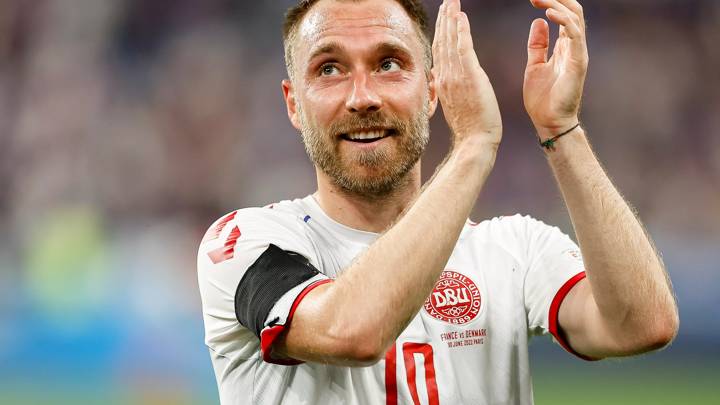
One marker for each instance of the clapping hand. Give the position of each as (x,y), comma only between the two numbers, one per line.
(552,89)
(465,92)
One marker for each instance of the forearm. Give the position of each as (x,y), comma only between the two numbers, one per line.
(378,295)
(353,320)
(627,278)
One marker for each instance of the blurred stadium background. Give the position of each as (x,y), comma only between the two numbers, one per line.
(128,126)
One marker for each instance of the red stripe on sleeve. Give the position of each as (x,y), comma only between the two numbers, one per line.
(555,310)
(269,335)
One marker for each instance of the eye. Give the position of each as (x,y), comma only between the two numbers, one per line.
(389,65)
(328,69)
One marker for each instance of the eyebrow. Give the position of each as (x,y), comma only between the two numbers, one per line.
(383,48)
(331,47)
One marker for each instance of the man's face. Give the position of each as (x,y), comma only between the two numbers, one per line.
(360,94)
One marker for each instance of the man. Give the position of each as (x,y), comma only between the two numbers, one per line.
(374,290)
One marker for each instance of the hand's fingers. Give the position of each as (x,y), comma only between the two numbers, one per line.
(453,7)
(465,47)
(437,38)
(538,42)
(560,44)
(439,44)
(574,39)
(563,32)
(577,46)
(576,8)
(558,6)
(571,28)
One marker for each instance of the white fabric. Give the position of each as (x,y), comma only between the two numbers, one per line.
(479,352)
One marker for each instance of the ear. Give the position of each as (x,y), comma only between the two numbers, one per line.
(289,95)
(432,96)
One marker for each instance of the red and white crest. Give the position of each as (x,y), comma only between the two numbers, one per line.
(455,299)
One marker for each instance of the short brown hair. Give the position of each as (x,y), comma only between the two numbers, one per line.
(295,14)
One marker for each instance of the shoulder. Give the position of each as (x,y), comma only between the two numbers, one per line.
(277,217)
(246,232)
(522,235)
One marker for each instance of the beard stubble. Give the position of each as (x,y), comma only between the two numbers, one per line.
(371,174)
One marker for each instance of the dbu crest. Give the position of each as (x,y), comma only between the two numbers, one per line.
(455,299)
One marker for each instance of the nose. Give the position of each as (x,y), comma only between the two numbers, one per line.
(363,98)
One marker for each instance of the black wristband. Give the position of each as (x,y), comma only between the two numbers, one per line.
(549,144)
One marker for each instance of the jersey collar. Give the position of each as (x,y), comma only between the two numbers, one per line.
(318,215)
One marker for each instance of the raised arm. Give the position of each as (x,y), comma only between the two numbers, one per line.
(353,320)
(626,304)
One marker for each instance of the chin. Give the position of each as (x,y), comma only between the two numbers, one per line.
(371,182)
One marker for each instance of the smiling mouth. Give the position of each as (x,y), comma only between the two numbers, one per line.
(367,136)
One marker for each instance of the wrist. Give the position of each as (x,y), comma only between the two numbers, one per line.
(475,150)
(545,132)
(471,164)
(549,144)
(573,147)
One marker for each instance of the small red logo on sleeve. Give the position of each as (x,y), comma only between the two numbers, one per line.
(455,299)
(214,232)
(227,251)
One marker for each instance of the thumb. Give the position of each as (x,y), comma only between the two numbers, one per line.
(538,42)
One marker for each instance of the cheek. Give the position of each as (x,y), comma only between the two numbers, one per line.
(408,98)
(324,104)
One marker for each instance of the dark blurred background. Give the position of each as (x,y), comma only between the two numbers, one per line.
(128,126)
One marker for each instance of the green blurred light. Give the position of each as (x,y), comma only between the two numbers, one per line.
(66,264)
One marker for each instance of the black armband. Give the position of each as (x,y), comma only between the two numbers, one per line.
(272,275)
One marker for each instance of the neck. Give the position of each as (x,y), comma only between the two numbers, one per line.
(367,213)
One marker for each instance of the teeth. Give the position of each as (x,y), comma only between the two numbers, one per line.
(367,135)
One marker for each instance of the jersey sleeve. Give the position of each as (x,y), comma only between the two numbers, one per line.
(554,266)
(254,267)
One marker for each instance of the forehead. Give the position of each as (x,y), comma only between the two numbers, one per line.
(335,20)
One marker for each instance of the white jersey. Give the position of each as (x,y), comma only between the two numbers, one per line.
(468,344)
